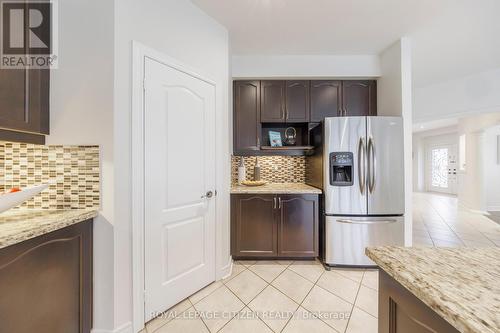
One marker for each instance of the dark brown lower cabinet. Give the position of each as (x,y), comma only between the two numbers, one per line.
(46,283)
(276,226)
(402,312)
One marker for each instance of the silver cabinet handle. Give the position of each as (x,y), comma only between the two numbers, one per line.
(279,202)
(387,221)
(274,199)
(361,165)
(372,165)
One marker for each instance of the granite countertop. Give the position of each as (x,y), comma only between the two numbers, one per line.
(19,225)
(276,188)
(462,285)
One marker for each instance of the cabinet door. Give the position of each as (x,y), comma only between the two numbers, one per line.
(253,225)
(246,131)
(298,225)
(359,98)
(24,100)
(297,101)
(49,277)
(272,101)
(326,99)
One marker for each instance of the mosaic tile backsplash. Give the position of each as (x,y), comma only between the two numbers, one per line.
(71,171)
(273,169)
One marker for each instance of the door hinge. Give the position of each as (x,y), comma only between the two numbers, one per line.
(144,84)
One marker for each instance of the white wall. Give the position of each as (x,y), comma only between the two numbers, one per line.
(81,113)
(306,66)
(181,31)
(491,168)
(473,181)
(473,94)
(394,99)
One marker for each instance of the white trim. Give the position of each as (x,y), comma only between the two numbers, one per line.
(139,53)
(125,328)
(228,269)
(478,211)
(493,209)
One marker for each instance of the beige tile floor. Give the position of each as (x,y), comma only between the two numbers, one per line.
(438,220)
(300,296)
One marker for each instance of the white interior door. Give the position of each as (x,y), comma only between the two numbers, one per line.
(442,164)
(179,231)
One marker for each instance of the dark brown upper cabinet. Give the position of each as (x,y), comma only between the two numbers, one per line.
(297,101)
(272,101)
(246,132)
(24,104)
(326,99)
(284,101)
(359,98)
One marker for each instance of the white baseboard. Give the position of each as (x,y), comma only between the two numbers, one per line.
(477,211)
(493,208)
(125,328)
(228,269)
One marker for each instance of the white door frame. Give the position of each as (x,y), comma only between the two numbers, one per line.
(139,53)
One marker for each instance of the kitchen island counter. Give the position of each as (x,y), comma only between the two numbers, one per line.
(461,285)
(19,225)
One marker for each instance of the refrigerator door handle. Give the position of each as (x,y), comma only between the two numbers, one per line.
(362,165)
(386,221)
(372,165)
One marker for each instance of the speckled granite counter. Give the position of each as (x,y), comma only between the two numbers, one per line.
(276,188)
(462,285)
(19,225)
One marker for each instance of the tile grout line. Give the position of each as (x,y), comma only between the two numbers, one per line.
(300,304)
(354,304)
(247,304)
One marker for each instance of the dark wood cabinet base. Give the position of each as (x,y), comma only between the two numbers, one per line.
(401,312)
(46,283)
(271,226)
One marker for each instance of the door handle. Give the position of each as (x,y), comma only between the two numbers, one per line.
(372,165)
(274,199)
(208,195)
(279,202)
(361,165)
(387,221)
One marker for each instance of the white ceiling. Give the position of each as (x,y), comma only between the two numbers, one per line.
(435,124)
(451,38)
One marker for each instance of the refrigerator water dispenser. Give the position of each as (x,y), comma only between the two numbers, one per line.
(341,167)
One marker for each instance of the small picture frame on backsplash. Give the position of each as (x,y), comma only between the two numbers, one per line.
(275,139)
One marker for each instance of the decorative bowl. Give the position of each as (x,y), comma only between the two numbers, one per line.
(253,182)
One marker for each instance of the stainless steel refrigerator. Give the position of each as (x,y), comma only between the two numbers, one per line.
(363,187)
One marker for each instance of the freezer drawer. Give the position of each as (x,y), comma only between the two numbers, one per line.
(347,237)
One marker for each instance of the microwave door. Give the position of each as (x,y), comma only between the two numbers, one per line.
(385,166)
(345,137)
